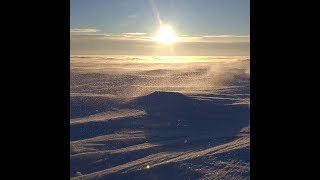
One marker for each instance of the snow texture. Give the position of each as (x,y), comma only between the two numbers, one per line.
(160,117)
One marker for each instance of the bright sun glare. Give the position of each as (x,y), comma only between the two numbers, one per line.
(166,35)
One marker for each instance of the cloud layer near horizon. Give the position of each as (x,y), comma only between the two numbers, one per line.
(87,41)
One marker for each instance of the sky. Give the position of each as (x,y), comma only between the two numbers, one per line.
(128,27)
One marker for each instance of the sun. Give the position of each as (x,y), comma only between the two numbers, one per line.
(166,35)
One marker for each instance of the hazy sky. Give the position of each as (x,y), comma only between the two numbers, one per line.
(127,27)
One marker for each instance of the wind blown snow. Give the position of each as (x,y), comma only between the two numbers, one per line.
(184,117)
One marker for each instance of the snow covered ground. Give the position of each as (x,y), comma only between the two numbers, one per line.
(142,117)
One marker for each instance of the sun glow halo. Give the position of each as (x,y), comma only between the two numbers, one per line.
(166,35)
